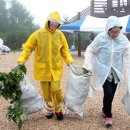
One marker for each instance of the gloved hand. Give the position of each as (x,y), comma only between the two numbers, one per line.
(22,67)
(70,63)
(87,72)
(20,63)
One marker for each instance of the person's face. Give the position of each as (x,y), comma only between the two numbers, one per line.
(114,32)
(53,25)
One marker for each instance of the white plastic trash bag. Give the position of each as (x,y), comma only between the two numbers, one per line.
(31,99)
(77,90)
(126,102)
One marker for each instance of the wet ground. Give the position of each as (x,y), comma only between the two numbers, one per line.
(92,119)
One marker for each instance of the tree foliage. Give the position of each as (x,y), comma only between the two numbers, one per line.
(85,40)
(3,16)
(19,16)
(16,23)
(16,38)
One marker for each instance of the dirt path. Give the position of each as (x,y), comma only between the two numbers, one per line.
(92,120)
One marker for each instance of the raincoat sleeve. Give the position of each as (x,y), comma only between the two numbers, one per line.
(65,50)
(90,53)
(127,66)
(28,47)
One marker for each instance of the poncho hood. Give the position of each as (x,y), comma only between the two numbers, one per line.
(113,21)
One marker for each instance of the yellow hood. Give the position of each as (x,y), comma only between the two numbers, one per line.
(54,16)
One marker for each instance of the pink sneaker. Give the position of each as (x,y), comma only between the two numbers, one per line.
(108,122)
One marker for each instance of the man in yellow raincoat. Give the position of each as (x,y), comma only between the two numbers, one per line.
(50,47)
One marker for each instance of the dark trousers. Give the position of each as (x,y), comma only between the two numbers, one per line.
(109,89)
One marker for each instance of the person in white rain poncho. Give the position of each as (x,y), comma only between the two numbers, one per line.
(1,44)
(105,57)
(3,48)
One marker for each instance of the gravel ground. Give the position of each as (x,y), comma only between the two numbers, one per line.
(92,119)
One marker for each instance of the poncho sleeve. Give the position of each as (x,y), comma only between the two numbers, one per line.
(90,53)
(126,58)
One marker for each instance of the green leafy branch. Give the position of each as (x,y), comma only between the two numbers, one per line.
(10,90)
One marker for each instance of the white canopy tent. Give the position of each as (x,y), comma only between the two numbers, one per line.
(94,24)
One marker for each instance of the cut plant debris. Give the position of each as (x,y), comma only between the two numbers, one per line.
(10,90)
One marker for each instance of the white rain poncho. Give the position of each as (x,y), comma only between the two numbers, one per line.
(105,53)
(3,48)
(1,43)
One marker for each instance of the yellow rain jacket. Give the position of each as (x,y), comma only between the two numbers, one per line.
(50,48)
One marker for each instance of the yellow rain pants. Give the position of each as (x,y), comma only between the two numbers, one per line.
(52,92)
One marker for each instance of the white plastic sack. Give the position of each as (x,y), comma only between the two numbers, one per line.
(31,99)
(126,102)
(77,90)
(128,84)
(28,90)
(33,105)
